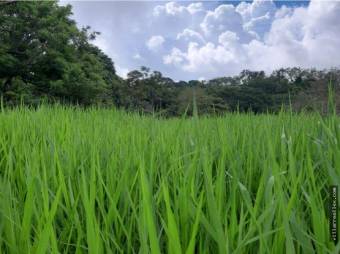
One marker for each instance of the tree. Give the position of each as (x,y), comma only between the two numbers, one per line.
(41,47)
(246,76)
(205,102)
(134,76)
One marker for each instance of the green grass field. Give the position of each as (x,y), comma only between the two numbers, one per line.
(105,181)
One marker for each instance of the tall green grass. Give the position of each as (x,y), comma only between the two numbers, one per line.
(105,181)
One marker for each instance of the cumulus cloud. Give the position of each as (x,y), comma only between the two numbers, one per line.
(173,17)
(285,37)
(257,16)
(174,8)
(195,7)
(224,17)
(209,59)
(228,39)
(189,35)
(308,37)
(212,39)
(256,9)
(176,57)
(155,42)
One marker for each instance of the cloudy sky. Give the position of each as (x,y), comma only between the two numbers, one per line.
(205,39)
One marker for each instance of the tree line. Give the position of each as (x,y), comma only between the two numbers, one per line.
(44,56)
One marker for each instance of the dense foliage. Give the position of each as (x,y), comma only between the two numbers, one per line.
(44,56)
(104,181)
(249,91)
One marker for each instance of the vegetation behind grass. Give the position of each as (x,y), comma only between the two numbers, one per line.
(46,57)
(102,181)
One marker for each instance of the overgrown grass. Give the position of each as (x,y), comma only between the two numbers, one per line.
(104,181)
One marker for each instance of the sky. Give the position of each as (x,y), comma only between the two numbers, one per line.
(207,39)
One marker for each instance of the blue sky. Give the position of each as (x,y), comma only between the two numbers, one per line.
(206,39)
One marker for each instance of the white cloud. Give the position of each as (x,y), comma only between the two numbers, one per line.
(174,8)
(188,34)
(224,17)
(137,56)
(172,18)
(308,37)
(195,7)
(176,57)
(205,60)
(283,12)
(286,37)
(228,39)
(256,9)
(155,42)
(191,40)
(257,16)
(171,8)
